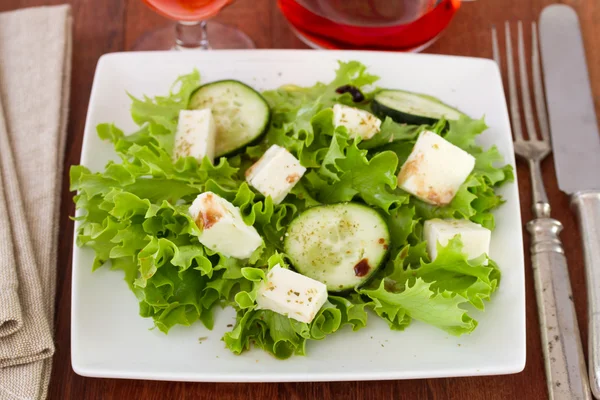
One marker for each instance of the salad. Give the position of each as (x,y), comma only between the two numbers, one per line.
(305,208)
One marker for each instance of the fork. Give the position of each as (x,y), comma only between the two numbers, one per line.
(566,373)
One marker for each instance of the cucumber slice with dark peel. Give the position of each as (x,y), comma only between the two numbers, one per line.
(241,114)
(412,108)
(341,245)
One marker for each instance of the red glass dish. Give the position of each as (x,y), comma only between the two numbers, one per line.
(324,33)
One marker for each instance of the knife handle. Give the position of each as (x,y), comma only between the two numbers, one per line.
(566,373)
(587,206)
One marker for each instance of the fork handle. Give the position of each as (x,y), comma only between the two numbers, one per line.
(587,206)
(566,373)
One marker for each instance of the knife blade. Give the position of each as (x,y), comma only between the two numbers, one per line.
(575,138)
(576,146)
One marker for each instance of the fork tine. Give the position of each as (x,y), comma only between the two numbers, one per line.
(538,91)
(495,49)
(515,115)
(526,96)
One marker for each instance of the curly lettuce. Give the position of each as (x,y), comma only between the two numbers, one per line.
(412,287)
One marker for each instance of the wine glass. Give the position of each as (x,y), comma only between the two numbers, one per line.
(192,30)
(404,25)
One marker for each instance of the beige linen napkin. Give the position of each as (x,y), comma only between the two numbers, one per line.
(35,57)
(11,318)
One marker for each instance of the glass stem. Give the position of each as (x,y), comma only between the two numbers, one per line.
(191,35)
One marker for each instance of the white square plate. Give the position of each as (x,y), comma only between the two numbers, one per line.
(109,339)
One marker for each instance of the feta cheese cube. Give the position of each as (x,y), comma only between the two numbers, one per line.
(223,229)
(435,169)
(358,122)
(475,238)
(195,136)
(291,294)
(275,174)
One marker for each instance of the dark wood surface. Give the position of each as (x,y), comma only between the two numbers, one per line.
(114,25)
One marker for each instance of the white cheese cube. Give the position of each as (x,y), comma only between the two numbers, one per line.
(223,229)
(291,294)
(358,122)
(435,169)
(275,174)
(475,238)
(195,136)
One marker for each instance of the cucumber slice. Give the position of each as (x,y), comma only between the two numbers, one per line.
(241,114)
(412,108)
(341,245)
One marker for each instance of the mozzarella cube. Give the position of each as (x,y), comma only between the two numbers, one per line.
(357,122)
(223,229)
(291,294)
(475,238)
(435,169)
(275,174)
(195,136)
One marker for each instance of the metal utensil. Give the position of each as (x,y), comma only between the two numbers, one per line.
(565,365)
(576,149)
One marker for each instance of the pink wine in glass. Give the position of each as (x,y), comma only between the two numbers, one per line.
(187,10)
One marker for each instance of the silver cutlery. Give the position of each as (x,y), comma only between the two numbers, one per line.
(576,145)
(563,354)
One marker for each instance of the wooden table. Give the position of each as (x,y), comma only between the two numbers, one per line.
(114,25)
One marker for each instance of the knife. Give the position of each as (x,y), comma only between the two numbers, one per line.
(576,144)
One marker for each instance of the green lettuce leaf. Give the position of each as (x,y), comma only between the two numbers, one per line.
(420,302)
(164,110)
(393,132)
(462,132)
(349,173)
(432,291)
